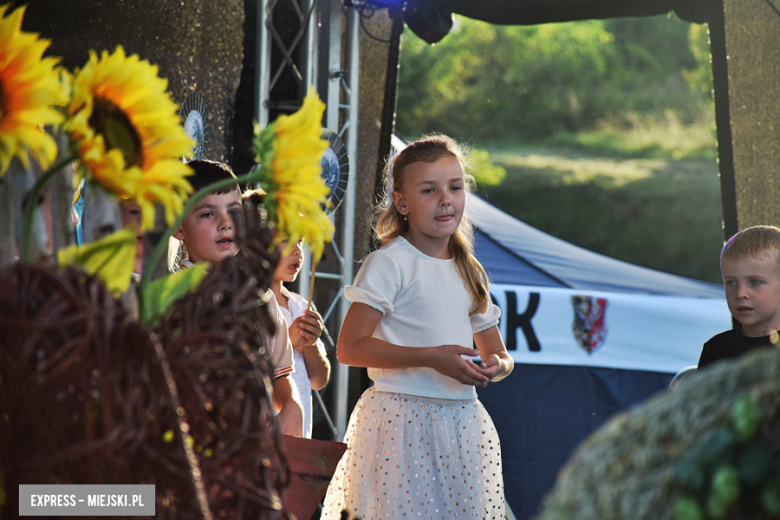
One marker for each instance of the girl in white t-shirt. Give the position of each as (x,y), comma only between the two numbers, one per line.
(420,443)
(311,368)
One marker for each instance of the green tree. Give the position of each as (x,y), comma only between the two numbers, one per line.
(699,77)
(497,83)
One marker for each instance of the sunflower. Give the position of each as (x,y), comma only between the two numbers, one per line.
(29,87)
(293,147)
(129,136)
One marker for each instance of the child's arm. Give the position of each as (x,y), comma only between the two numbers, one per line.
(286,400)
(358,347)
(288,404)
(304,333)
(496,361)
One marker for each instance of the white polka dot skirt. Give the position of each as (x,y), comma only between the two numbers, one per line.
(418,457)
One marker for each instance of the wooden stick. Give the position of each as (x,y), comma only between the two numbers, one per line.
(311,283)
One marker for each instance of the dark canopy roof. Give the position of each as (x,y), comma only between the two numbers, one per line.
(529,12)
(431,20)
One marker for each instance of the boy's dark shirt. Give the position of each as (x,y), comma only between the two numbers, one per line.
(730,344)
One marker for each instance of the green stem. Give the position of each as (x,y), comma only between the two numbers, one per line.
(194,200)
(32,204)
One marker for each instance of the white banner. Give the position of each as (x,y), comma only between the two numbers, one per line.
(552,326)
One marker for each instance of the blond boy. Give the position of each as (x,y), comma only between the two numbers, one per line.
(750,264)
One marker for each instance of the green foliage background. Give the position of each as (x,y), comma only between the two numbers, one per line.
(491,82)
(599,132)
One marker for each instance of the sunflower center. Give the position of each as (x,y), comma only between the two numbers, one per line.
(117,130)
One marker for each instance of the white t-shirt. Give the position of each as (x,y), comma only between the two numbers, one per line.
(424,303)
(297,307)
(281,348)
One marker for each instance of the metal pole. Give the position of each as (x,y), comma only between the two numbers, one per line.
(348,211)
(309,51)
(262,65)
(330,70)
(330,73)
(309,60)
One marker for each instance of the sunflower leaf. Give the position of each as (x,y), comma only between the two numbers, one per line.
(111,258)
(159,294)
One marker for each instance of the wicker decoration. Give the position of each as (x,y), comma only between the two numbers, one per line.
(631,467)
(88,396)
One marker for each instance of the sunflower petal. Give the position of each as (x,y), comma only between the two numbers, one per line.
(30,85)
(290,154)
(134,149)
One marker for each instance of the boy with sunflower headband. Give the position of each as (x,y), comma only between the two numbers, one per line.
(207,233)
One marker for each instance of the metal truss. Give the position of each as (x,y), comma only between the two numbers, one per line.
(299,45)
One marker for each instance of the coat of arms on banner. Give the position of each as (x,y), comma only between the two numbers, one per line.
(589,327)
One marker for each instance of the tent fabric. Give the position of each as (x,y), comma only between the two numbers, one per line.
(506,267)
(553,408)
(570,265)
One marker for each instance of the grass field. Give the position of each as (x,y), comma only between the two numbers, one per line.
(654,205)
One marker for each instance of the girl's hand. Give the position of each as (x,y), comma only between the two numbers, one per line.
(496,361)
(447,360)
(306,330)
(490,366)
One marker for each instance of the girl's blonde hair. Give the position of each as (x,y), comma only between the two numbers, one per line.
(391,224)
